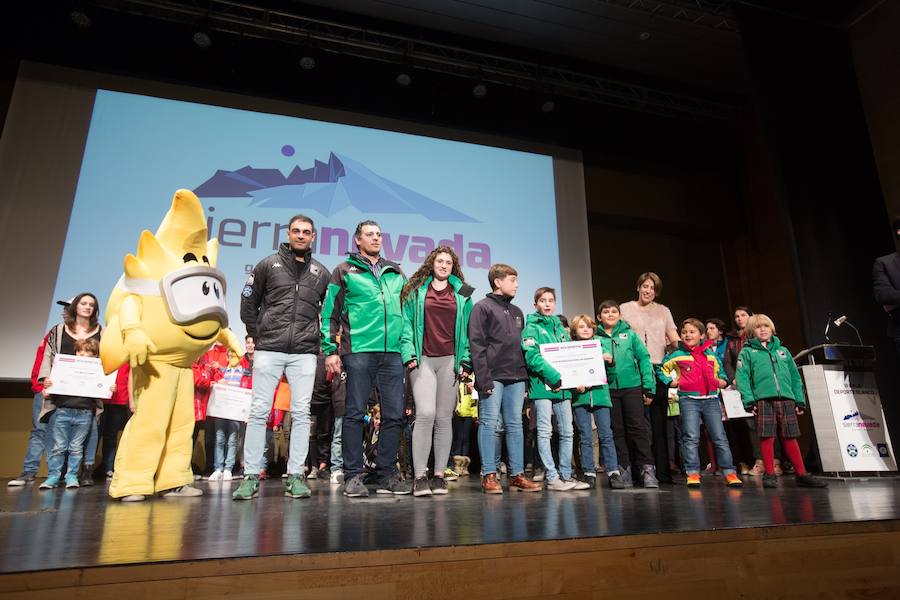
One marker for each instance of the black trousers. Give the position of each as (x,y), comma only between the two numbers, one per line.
(659,414)
(630,430)
(112,421)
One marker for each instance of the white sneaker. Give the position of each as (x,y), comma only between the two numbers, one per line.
(184,491)
(580,485)
(337,477)
(538,475)
(216,476)
(560,485)
(226,476)
(313,473)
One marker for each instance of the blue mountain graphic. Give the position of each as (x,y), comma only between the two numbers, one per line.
(328,188)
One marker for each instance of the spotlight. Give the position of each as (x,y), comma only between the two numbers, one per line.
(202,39)
(479,90)
(548,106)
(403,79)
(80,18)
(645,35)
(307,63)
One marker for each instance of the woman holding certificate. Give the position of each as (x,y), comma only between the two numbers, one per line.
(434,346)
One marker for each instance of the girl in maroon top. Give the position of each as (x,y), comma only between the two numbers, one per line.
(435,348)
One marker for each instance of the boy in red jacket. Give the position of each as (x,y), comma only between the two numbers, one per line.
(698,374)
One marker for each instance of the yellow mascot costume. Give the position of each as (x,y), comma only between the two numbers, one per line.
(166,310)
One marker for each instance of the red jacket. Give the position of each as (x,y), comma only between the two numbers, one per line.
(205,375)
(698,369)
(37,386)
(120,396)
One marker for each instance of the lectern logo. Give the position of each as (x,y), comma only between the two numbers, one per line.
(882,450)
(852,451)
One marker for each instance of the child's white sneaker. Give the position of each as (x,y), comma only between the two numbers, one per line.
(226,476)
(216,476)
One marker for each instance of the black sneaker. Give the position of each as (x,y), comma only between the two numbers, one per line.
(394,485)
(770,481)
(591,480)
(807,480)
(616,482)
(421,487)
(439,486)
(355,488)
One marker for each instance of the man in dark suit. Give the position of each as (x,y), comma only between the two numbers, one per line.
(886,285)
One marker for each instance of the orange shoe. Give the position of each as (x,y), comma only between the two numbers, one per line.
(693,480)
(523,484)
(490,485)
(732,480)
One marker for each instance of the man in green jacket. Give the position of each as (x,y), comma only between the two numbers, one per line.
(361,312)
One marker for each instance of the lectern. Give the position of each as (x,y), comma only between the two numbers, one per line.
(843,401)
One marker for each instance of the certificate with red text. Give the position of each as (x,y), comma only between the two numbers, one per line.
(579,363)
(80,376)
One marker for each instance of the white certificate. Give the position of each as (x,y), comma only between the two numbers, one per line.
(229,402)
(734,408)
(80,376)
(579,363)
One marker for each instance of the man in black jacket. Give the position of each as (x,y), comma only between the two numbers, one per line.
(886,285)
(495,342)
(280,306)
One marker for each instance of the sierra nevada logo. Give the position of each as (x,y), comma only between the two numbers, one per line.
(327,188)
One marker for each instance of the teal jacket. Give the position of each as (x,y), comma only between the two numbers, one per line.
(595,396)
(767,373)
(362,307)
(543,329)
(414,323)
(631,366)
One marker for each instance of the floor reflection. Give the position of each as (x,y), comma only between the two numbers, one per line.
(75,528)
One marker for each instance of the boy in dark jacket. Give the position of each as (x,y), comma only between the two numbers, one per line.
(495,329)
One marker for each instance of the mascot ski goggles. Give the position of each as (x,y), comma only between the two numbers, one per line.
(191,294)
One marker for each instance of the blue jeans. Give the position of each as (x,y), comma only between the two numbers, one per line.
(71,427)
(337,461)
(91,443)
(384,370)
(41,438)
(268,367)
(601,417)
(692,410)
(507,400)
(543,411)
(226,443)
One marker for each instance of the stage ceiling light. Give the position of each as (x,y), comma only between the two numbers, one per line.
(479,90)
(548,106)
(202,39)
(307,63)
(81,19)
(403,79)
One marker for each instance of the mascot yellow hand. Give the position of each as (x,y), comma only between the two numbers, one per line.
(166,310)
(227,337)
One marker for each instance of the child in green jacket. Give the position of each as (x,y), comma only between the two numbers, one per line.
(594,404)
(632,384)
(770,386)
(545,390)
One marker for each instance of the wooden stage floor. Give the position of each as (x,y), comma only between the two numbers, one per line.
(81,537)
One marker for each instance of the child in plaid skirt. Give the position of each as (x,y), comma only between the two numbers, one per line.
(771,388)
